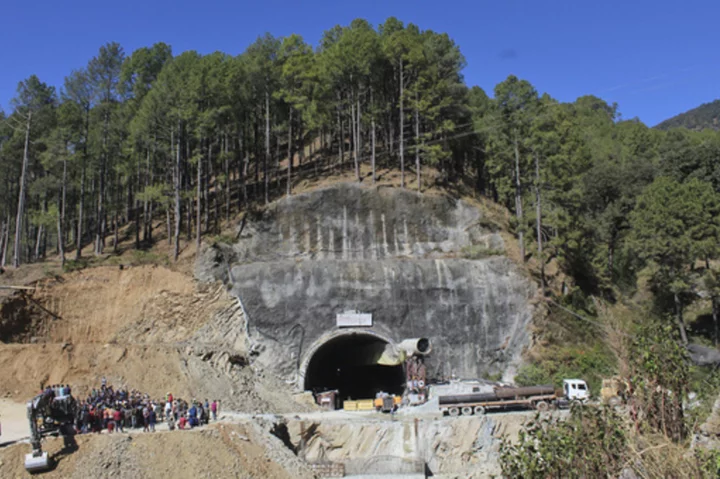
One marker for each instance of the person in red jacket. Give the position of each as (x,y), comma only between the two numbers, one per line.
(117,416)
(214,409)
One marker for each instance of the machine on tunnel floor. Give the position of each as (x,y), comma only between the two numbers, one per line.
(349,364)
(360,365)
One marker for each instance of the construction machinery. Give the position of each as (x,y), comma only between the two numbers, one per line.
(541,398)
(614,391)
(48,414)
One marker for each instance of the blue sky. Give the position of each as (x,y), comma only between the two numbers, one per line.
(654,58)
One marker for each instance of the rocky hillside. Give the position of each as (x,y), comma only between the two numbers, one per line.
(422,265)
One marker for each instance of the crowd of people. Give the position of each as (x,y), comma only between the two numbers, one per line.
(118,409)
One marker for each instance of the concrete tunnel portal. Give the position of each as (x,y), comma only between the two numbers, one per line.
(349,364)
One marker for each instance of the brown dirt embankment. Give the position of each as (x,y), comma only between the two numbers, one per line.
(220,450)
(145,327)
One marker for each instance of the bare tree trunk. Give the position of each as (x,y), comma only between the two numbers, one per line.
(81,207)
(276,168)
(390,138)
(61,214)
(21,194)
(402,129)
(28,234)
(358,139)
(199,205)
(151,206)
(538,223)
(341,142)
(312,150)
(239,176)
(136,208)
(267,145)
(189,219)
(115,232)
(178,204)
(100,232)
(2,243)
(6,242)
(417,142)
(44,239)
(373,147)
(372,127)
(90,220)
(290,154)
(216,203)
(189,202)
(169,225)
(38,240)
(518,200)
(300,144)
(244,162)
(256,151)
(353,126)
(227,178)
(151,211)
(146,202)
(206,187)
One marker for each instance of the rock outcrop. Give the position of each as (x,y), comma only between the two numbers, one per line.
(467,447)
(422,265)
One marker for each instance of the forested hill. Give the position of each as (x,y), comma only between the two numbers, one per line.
(706,115)
(138,139)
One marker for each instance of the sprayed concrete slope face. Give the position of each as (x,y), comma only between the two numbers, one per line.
(398,255)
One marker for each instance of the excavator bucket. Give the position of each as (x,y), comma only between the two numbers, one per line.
(37,463)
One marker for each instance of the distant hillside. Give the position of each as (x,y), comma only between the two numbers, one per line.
(706,115)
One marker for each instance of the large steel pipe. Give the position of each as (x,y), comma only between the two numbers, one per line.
(512,392)
(413,346)
(467,398)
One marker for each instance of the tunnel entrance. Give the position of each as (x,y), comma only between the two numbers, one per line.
(348,363)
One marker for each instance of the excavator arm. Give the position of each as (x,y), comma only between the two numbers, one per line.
(37,460)
(47,415)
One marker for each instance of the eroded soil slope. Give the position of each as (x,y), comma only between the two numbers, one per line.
(147,327)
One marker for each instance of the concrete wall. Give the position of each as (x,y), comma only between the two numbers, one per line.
(396,254)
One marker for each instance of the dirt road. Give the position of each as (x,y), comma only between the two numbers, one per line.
(13,419)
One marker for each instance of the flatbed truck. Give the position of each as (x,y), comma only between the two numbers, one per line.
(540,398)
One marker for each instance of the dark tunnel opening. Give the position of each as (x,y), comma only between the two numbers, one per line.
(348,363)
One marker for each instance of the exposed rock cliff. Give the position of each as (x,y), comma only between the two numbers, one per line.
(423,265)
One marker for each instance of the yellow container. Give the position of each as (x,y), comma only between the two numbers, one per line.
(366,405)
(350,405)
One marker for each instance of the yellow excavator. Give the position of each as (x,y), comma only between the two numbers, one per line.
(614,391)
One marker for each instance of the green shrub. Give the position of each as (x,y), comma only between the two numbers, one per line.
(140,257)
(225,238)
(77,264)
(479,251)
(533,374)
(591,443)
(591,363)
(708,462)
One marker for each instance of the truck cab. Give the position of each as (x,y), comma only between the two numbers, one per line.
(576,390)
